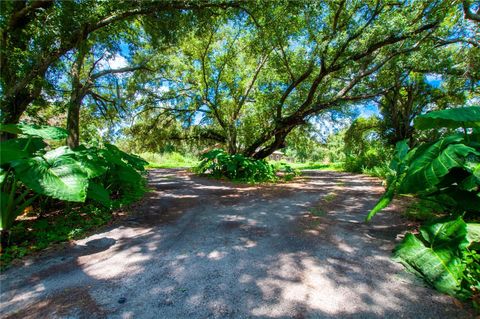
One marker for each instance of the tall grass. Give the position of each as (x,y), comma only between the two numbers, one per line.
(318,166)
(169,160)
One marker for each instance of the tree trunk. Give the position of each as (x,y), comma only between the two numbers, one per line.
(278,143)
(76,97)
(73,123)
(232,140)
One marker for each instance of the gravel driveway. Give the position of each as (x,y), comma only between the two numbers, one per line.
(200,248)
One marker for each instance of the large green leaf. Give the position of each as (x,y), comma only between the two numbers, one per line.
(451,118)
(397,165)
(435,255)
(427,170)
(10,152)
(92,162)
(57,175)
(17,148)
(43,131)
(401,151)
(99,194)
(136,162)
(382,202)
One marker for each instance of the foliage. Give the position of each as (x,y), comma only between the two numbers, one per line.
(380,170)
(446,171)
(39,230)
(318,166)
(249,83)
(437,255)
(287,171)
(169,160)
(219,164)
(36,35)
(424,210)
(364,149)
(100,174)
(450,118)
(471,262)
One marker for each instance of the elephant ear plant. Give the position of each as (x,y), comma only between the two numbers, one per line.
(15,156)
(236,167)
(28,170)
(447,171)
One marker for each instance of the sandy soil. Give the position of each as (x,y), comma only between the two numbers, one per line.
(200,248)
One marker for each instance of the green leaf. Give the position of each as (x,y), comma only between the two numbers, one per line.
(4,198)
(382,202)
(57,175)
(451,232)
(470,183)
(450,118)
(18,148)
(427,170)
(435,255)
(401,150)
(3,175)
(43,131)
(91,161)
(136,162)
(29,144)
(99,194)
(10,152)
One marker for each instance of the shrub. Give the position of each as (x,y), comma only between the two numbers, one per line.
(236,167)
(29,171)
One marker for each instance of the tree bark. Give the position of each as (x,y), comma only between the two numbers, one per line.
(76,97)
(73,124)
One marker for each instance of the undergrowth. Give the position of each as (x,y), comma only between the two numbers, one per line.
(219,164)
(35,230)
(169,160)
(318,166)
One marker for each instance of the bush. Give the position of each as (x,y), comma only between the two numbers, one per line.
(219,164)
(380,170)
(29,172)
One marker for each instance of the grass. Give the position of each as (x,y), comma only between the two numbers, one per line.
(317,166)
(168,160)
(317,211)
(178,160)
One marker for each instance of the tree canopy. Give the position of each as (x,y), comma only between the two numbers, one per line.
(243,75)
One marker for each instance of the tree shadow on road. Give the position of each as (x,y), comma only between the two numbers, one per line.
(199,248)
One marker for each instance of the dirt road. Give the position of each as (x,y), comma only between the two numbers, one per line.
(200,248)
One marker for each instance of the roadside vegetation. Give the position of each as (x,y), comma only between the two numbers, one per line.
(169,160)
(446,172)
(48,187)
